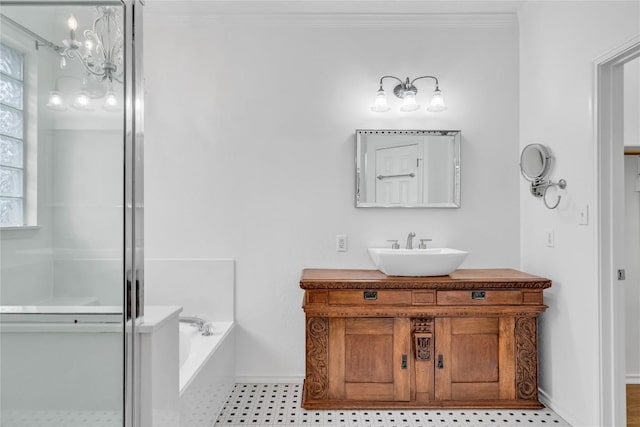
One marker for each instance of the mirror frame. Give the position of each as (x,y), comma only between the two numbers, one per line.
(546,161)
(457,168)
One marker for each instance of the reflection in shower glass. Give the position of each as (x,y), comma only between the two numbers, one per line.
(62,217)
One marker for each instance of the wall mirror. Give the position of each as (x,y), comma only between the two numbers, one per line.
(407,168)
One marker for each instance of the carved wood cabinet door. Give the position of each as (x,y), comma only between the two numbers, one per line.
(370,359)
(474,358)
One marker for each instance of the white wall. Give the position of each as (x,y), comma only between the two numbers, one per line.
(250,141)
(632,267)
(632,103)
(558,43)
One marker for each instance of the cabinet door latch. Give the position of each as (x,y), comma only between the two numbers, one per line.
(404,361)
(440,362)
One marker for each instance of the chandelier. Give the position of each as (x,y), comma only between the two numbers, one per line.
(101,53)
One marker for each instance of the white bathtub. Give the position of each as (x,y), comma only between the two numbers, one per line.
(207,372)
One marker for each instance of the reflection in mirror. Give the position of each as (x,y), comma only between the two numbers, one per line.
(407,168)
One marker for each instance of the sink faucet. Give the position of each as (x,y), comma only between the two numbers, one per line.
(410,240)
(202,325)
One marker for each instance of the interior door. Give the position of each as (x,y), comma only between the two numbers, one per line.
(397,175)
(369,359)
(475,358)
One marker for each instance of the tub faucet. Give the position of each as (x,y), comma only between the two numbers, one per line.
(410,240)
(202,325)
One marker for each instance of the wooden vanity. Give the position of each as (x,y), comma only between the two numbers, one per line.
(464,340)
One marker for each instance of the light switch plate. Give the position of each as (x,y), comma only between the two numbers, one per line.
(583,215)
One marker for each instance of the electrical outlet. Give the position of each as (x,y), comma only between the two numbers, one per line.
(551,239)
(341,243)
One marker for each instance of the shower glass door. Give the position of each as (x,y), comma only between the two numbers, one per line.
(66,220)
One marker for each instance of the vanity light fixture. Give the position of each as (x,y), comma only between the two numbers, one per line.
(85,94)
(406,90)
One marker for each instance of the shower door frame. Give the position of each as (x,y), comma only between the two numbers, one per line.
(133,198)
(133,307)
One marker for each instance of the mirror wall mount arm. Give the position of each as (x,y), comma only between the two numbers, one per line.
(539,188)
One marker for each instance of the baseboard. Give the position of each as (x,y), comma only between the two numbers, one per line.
(633,378)
(294,379)
(547,401)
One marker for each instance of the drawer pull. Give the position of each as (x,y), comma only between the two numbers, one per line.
(404,361)
(370,295)
(440,362)
(478,295)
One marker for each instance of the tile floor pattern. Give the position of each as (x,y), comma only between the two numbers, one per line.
(279,405)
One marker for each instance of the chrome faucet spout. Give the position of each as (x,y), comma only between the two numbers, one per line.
(202,325)
(410,240)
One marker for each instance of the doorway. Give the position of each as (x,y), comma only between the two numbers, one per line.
(609,113)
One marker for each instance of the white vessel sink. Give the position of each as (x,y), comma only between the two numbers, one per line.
(417,262)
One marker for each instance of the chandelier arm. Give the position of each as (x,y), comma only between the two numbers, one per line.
(74,53)
(425,77)
(390,77)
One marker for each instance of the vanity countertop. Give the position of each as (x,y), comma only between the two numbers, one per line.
(316,278)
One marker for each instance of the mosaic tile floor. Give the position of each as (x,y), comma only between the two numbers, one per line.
(279,405)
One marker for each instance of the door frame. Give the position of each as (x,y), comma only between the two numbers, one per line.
(609,133)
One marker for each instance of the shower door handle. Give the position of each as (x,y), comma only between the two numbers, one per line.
(138,295)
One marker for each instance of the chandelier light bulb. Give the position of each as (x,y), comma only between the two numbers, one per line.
(409,102)
(437,102)
(72,23)
(380,103)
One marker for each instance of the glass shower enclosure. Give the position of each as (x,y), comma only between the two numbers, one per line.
(71,274)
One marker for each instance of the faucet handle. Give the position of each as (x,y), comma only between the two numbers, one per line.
(423,244)
(395,244)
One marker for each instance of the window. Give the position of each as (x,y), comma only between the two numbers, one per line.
(11,137)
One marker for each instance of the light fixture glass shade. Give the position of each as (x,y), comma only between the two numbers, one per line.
(82,101)
(380,103)
(111,102)
(409,102)
(55,101)
(437,102)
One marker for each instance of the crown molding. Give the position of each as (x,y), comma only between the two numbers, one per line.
(334,20)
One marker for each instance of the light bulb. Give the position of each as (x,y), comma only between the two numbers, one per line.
(55,101)
(380,103)
(88,44)
(63,63)
(409,102)
(111,101)
(437,102)
(82,101)
(72,23)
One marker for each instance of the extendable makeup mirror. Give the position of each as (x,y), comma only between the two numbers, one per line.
(535,163)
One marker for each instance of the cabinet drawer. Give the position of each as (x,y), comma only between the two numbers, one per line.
(479,297)
(369,297)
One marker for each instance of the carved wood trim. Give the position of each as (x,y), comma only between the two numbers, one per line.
(526,358)
(317,380)
(423,338)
